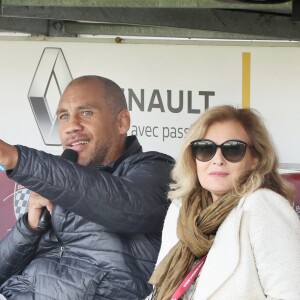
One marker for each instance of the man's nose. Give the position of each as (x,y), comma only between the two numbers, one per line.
(73,124)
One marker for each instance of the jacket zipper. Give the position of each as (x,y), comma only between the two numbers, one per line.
(62,247)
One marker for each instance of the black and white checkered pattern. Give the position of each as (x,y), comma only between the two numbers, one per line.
(21,198)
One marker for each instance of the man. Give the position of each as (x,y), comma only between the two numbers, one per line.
(107,210)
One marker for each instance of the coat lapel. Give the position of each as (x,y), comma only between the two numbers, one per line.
(223,256)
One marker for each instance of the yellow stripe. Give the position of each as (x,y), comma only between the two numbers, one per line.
(246,79)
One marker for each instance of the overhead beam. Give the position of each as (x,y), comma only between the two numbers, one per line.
(296,10)
(150,31)
(36,26)
(58,28)
(231,21)
(283,7)
(158,18)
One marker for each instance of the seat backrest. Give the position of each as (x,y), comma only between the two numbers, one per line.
(13,203)
(294,178)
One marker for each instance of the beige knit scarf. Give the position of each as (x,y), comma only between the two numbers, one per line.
(198,221)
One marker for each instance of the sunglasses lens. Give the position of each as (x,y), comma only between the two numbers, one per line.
(234,151)
(203,150)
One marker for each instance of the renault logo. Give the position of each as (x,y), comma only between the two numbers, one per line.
(50,79)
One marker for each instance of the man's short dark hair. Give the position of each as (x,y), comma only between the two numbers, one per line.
(113,94)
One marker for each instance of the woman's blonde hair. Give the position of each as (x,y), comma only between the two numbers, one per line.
(265,175)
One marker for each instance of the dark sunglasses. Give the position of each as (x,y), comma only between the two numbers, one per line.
(232,150)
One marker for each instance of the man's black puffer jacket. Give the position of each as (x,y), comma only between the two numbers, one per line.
(106,231)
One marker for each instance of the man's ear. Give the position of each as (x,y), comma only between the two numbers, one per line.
(123,120)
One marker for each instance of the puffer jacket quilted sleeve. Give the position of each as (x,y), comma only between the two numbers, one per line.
(105,234)
(17,249)
(131,200)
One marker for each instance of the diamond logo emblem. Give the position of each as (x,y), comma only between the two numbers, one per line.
(50,79)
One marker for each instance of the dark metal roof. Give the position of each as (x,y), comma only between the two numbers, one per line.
(256,19)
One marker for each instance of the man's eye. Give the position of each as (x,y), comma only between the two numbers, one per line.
(63,117)
(87,113)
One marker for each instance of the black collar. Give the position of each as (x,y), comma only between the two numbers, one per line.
(132,147)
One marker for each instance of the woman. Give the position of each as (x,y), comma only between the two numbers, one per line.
(235,208)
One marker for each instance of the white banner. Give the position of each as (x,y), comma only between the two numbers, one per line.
(166,86)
